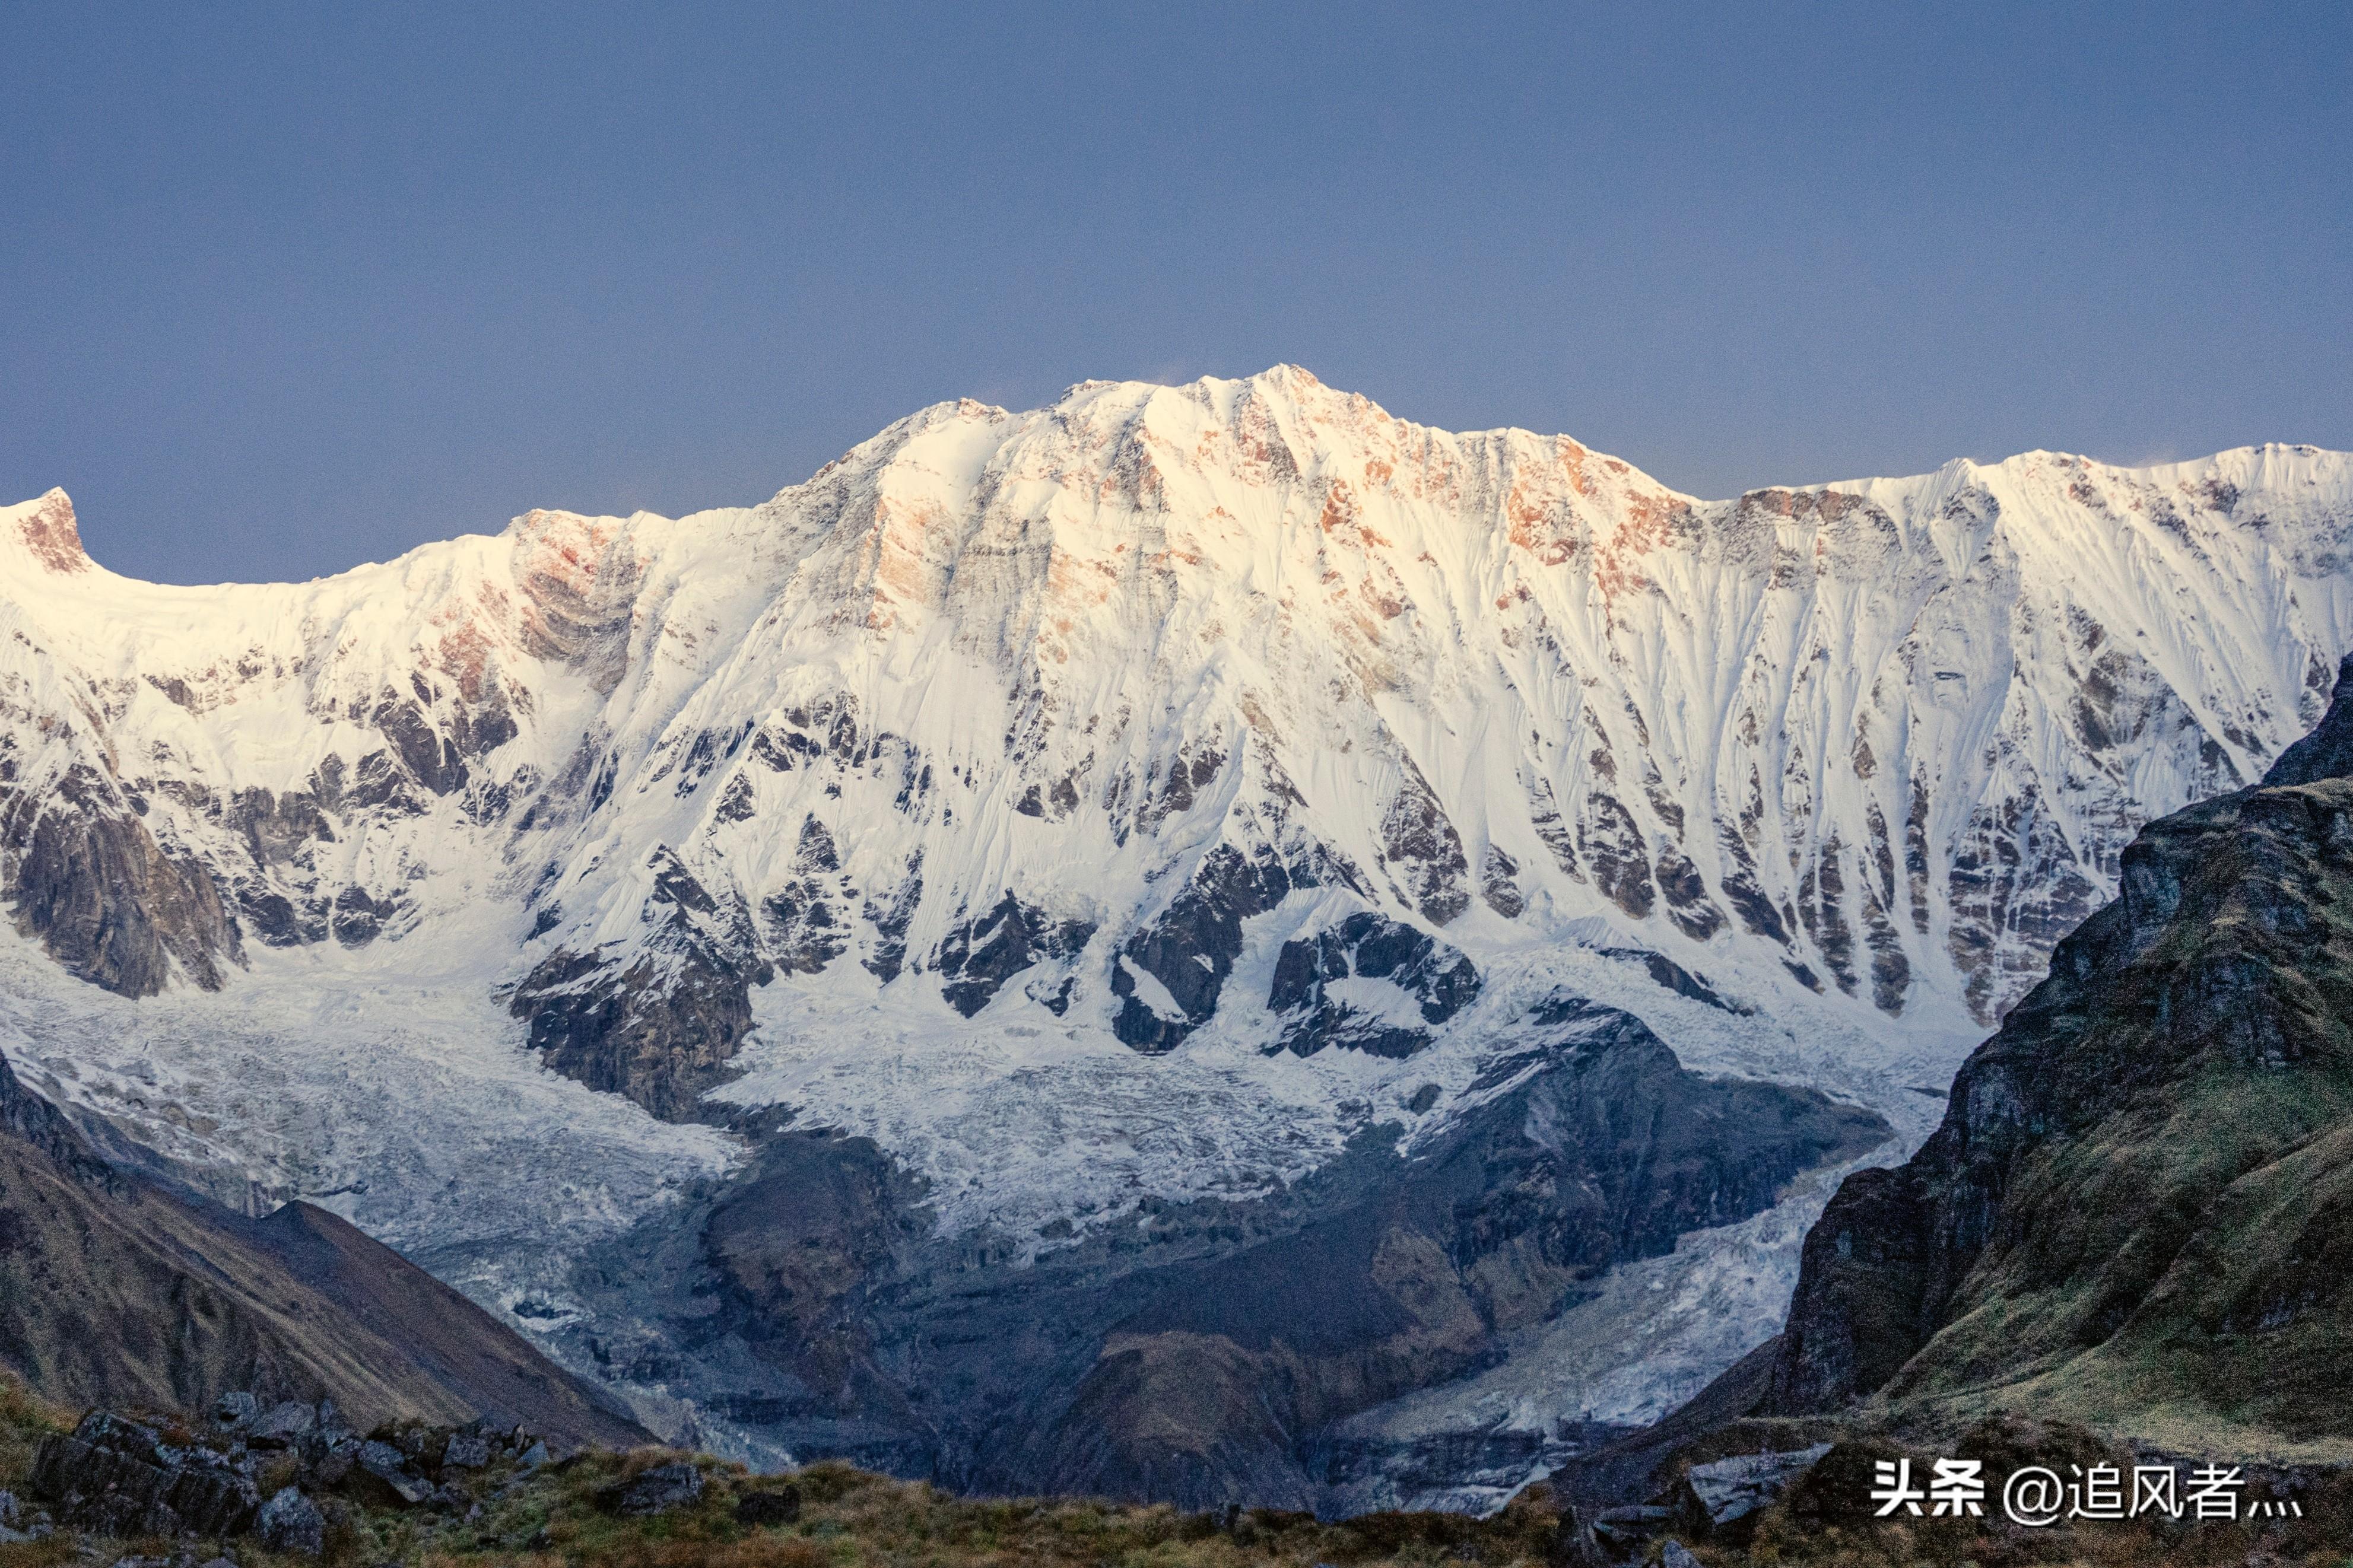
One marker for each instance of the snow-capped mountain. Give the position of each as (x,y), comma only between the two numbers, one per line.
(1137,801)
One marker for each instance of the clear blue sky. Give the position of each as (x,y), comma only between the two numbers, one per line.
(286,288)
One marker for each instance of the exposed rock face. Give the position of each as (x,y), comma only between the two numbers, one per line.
(112,1476)
(291,1522)
(659,1032)
(1436,980)
(1191,948)
(1720,1500)
(108,902)
(796,1250)
(773,1506)
(659,1491)
(659,1021)
(978,956)
(2135,1211)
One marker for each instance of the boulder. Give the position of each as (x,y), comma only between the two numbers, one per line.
(233,1412)
(116,1477)
(534,1457)
(1720,1501)
(658,1490)
(1675,1554)
(465,1452)
(1623,1530)
(325,1464)
(384,1473)
(772,1505)
(291,1523)
(282,1425)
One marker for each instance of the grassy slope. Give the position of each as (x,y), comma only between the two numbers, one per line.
(2176,1272)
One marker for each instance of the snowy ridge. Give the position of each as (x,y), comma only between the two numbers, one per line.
(975,794)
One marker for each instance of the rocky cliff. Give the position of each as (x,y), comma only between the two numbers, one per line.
(2139,1209)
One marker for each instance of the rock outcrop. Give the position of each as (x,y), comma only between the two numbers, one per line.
(2137,1211)
(113,1476)
(1431,981)
(128,1477)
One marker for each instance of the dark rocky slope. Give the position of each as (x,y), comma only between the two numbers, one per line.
(1201,1356)
(2139,1210)
(114,1290)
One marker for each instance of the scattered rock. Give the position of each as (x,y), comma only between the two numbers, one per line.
(292,1522)
(773,1505)
(1720,1501)
(660,1490)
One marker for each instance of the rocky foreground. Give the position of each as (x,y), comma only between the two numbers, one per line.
(289,1484)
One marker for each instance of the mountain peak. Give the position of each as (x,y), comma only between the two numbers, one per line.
(47,530)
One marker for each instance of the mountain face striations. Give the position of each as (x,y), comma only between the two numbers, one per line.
(1217,843)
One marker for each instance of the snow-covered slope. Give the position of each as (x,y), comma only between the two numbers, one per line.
(1130,799)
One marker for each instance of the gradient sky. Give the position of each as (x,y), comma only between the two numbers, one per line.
(286,288)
